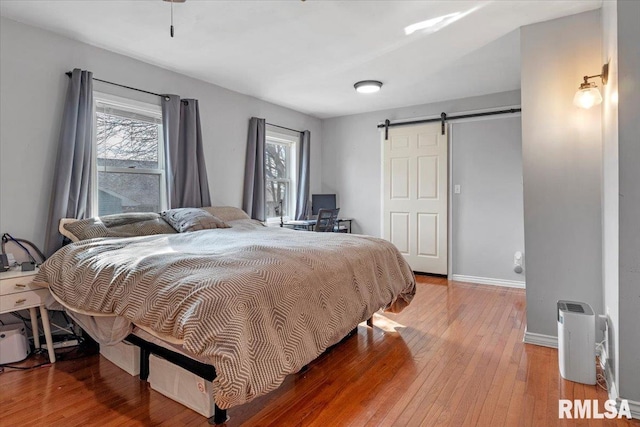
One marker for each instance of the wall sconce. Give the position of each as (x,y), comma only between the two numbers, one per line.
(588,94)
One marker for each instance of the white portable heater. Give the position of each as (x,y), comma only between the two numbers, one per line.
(14,345)
(576,342)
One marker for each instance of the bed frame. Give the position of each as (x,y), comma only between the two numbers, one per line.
(203,370)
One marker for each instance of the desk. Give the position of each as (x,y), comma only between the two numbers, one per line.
(17,292)
(310,224)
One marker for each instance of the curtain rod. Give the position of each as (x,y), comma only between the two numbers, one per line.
(282,127)
(443,118)
(69,74)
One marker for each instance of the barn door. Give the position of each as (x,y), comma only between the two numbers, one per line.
(415,197)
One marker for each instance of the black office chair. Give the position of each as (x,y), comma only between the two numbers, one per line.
(327,220)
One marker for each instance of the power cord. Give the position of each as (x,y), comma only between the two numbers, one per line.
(27,324)
(24,368)
(8,237)
(601,380)
(26,321)
(84,349)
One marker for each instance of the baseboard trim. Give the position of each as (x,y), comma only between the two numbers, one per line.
(540,339)
(634,407)
(488,281)
(612,390)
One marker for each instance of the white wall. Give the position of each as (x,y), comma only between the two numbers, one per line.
(562,165)
(352,154)
(629,208)
(487,214)
(610,189)
(33,87)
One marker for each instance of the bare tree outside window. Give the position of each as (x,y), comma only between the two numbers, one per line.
(122,139)
(278,182)
(129,163)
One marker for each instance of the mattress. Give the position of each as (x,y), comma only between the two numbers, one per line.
(110,330)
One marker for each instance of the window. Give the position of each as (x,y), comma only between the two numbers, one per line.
(280,171)
(129,163)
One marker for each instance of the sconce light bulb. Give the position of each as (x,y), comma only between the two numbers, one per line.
(587,97)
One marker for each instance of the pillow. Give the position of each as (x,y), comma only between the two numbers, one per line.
(227,213)
(62,229)
(184,220)
(117,225)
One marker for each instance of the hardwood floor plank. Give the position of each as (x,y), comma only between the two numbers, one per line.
(421,392)
(454,357)
(467,385)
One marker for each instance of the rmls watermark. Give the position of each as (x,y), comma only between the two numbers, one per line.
(585,408)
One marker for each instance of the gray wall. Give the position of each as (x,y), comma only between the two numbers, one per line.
(562,156)
(352,154)
(629,175)
(33,86)
(487,215)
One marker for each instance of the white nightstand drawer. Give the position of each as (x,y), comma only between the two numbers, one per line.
(18,284)
(21,300)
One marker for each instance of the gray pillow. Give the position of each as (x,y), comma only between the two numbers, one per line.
(118,225)
(184,220)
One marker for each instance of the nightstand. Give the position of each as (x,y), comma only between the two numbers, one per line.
(17,292)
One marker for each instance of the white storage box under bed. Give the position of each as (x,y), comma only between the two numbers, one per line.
(124,355)
(181,385)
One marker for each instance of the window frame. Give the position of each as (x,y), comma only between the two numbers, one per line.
(291,141)
(134,106)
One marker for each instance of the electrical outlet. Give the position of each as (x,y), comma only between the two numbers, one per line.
(456,189)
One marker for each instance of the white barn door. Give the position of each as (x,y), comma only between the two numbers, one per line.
(415,199)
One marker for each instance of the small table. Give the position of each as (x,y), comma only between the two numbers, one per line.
(310,224)
(18,292)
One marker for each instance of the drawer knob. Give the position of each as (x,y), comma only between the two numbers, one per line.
(21,300)
(20,285)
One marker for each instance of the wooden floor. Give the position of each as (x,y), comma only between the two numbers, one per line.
(454,357)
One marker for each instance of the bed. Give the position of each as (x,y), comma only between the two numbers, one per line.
(252,303)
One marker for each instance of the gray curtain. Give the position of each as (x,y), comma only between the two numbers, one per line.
(254,179)
(70,197)
(186,173)
(303,175)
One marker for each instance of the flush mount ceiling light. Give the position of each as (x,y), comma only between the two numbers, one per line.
(172,2)
(368,86)
(588,94)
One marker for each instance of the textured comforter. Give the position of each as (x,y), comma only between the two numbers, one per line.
(258,302)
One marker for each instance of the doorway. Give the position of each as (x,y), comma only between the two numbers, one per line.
(486,195)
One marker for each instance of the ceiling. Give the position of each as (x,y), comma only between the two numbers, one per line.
(307,55)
